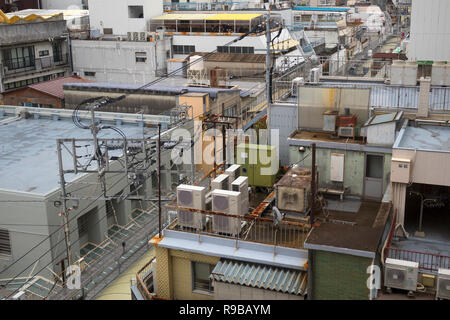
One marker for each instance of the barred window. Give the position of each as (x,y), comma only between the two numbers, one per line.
(5,242)
(83,224)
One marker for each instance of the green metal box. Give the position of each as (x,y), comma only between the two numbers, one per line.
(260,163)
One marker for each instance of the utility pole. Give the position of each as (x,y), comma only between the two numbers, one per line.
(159,180)
(268,60)
(97,151)
(313,182)
(65,212)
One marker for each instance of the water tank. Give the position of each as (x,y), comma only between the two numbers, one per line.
(397,72)
(410,73)
(439,73)
(196,65)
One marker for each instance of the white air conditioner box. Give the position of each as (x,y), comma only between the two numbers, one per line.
(401,170)
(401,274)
(443,284)
(233,172)
(192,197)
(221,182)
(228,202)
(241,185)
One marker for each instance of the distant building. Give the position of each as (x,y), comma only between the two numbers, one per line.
(47,94)
(32,50)
(429,31)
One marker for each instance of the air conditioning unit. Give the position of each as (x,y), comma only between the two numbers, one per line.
(346,132)
(229,202)
(221,182)
(241,185)
(142,36)
(233,172)
(135,36)
(295,84)
(192,197)
(443,284)
(130,36)
(401,274)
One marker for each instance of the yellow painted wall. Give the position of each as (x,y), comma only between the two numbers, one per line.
(174,274)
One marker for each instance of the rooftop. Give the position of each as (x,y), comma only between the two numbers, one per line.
(171,89)
(260,276)
(29,162)
(357,233)
(210,16)
(322,136)
(425,137)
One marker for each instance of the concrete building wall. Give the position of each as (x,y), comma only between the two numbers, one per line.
(114,14)
(31,32)
(115,61)
(63,4)
(313,102)
(283,117)
(354,167)
(339,276)
(227,291)
(430,30)
(37,219)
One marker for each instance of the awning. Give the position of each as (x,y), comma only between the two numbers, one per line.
(260,276)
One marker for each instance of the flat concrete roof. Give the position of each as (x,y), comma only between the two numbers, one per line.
(360,238)
(28,157)
(425,138)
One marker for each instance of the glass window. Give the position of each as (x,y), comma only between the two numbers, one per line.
(374,166)
(57,52)
(200,275)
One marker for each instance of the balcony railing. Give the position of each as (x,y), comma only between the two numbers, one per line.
(26,64)
(284,233)
(427,261)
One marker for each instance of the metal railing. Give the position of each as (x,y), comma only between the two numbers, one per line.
(290,234)
(21,65)
(427,261)
(142,277)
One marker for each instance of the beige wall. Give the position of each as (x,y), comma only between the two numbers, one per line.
(427,167)
(174,274)
(196,101)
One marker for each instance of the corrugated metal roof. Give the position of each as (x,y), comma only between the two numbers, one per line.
(55,87)
(260,276)
(231,57)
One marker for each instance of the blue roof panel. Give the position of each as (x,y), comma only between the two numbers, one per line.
(322,9)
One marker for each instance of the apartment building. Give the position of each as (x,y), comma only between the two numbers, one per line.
(32,50)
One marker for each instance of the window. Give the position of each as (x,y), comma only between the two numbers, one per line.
(200,276)
(141,57)
(89,74)
(224,49)
(374,166)
(107,31)
(183,49)
(83,224)
(5,242)
(57,52)
(44,53)
(136,12)
(18,58)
